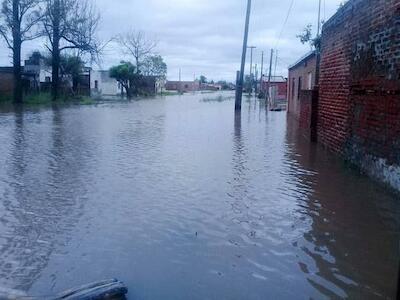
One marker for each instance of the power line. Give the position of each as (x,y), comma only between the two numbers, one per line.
(284,23)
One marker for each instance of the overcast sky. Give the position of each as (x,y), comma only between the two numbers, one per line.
(205,36)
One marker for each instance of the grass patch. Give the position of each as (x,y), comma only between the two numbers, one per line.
(46,99)
(169,93)
(5,99)
(219,98)
(38,99)
(86,101)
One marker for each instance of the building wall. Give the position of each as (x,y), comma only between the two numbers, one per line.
(281,88)
(359,103)
(300,74)
(106,86)
(308,115)
(6,84)
(183,86)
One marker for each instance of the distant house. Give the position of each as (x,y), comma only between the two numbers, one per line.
(183,86)
(211,87)
(101,84)
(276,87)
(301,77)
(151,85)
(6,81)
(39,74)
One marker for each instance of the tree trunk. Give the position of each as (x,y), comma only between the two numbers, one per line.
(55,68)
(17,53)
(137,65)
(128,91)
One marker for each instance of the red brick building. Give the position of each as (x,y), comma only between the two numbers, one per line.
(183,86)
(359,96)
(357,112)
(301,77)
(277,88)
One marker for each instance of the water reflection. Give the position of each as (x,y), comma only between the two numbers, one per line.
(351,250)
(43,200)
(181,199)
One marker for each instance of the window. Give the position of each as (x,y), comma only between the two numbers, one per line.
(96,84)
(299,89)
(309,81)
(293,87)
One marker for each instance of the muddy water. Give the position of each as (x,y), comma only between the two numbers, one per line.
(180,199)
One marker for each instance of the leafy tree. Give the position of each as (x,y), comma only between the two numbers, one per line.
(203,79)
(72,65)
(18,19)
(154,65)
(306,37)
(69,24)
(137,45)
(224,84)
(125,74)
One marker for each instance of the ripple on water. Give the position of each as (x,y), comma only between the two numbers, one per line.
(182,200)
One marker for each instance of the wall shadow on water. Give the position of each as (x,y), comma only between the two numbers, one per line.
(352,249)
(44,200)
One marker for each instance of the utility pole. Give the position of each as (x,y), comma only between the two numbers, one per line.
(318,46)
(276,61)
(269,74)
(180,80)
(251,68)
(239,87)
(256,78)
(319,19)
(398,285)
(262,70)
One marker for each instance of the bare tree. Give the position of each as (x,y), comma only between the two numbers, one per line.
(17,21)
(70,24)
(136,44)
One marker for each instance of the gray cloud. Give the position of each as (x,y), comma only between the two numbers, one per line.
(205,37)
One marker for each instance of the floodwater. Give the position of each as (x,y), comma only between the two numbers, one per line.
(180,199)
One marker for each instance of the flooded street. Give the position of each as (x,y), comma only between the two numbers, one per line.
(180,199)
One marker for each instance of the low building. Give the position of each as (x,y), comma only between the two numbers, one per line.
(183,86)
(40,73)
(6,81)
(211,87)
(301,77)
(277,89)
(151,85)
(102,85)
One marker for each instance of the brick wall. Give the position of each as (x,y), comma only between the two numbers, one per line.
(6,84)
(359,104)
(308,113)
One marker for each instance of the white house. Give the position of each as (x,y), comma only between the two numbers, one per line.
(103,85)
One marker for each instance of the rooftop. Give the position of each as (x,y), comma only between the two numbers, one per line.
(303,59)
